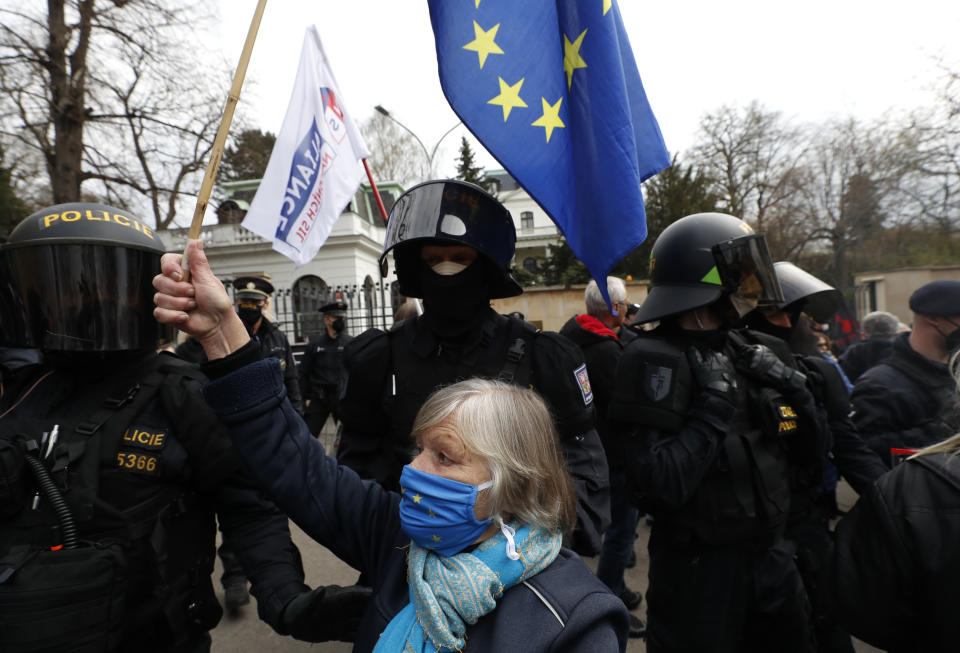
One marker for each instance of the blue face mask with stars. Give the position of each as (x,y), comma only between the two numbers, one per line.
(437,512)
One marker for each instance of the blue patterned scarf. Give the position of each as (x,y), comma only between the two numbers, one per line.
(449,593)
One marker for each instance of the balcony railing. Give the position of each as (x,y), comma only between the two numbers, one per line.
(227,235)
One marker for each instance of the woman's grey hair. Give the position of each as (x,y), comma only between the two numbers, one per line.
(880,324)
(596,304)
(511,429)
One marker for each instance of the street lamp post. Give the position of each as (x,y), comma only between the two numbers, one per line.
(428,154)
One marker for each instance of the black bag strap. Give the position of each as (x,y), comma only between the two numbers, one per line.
(127,399)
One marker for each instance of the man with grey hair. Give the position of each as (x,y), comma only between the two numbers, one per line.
(597,333)
(879,329)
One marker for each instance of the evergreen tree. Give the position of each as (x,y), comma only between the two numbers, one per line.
(677,191)
(467,170)
(248,156)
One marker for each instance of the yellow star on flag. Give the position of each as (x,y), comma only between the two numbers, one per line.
(571,56)
(483,43)
(509,97)
(477,6)
(606,5)
(550,117)
(431,513)
(416,498)
(436,538)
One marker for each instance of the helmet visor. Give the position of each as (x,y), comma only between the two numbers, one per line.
(78,298)
(747,271)
(452,212)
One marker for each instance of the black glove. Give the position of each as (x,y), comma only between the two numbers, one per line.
(766,367)
(330,613)
(717,378)
(713,371)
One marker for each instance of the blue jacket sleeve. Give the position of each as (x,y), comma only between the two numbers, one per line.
(356,519)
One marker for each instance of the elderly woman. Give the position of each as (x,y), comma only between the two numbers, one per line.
(468,556)
(896,576)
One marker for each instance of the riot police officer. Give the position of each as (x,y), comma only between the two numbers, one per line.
(113,467)
(719,418)
(322,367)
(452,243)
(813,496)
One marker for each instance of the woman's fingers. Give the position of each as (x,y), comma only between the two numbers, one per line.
(165,300)
(167,316)
(167,286)
(170,266)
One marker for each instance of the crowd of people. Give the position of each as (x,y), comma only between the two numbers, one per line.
(478,457)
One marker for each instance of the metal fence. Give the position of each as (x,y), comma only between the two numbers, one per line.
(370,305)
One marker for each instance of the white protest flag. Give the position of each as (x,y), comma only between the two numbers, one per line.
(315,167)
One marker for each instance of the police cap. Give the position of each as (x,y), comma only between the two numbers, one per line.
(336,309)
(937,298)
(252,287)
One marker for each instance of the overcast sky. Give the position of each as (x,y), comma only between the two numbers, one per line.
(811,60)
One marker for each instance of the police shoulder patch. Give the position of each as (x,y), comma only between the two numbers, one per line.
(583,381)
(657,380)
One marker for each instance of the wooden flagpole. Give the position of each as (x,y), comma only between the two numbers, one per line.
(216,154)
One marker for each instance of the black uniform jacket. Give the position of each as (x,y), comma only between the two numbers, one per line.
(322,363)
(895,581)
(696,462)
(390,375)
(907,401)
(173,469)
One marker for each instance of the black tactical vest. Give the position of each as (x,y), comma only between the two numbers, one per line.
(107,545)
(744,498)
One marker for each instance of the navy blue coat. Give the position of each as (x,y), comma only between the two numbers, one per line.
(907,401)
(359,522)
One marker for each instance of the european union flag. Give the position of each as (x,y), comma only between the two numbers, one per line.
(551,89)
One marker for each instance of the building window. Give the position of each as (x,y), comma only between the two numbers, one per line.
(530,264)
(526,219)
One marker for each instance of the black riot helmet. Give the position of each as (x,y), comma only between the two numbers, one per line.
(78,278)
(702,257)
(804,293)
(451,212)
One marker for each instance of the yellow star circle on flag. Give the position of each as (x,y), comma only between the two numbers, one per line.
(483,43)
(509,97)
(550,117)
(571,56)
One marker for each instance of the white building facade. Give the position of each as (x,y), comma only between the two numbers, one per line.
(346,267)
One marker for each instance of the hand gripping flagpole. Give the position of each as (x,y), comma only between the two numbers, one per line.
(216,154)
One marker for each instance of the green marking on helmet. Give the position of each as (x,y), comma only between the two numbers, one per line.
(713,276)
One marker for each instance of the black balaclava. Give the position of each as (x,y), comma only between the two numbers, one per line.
(338,324)
(452,303)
